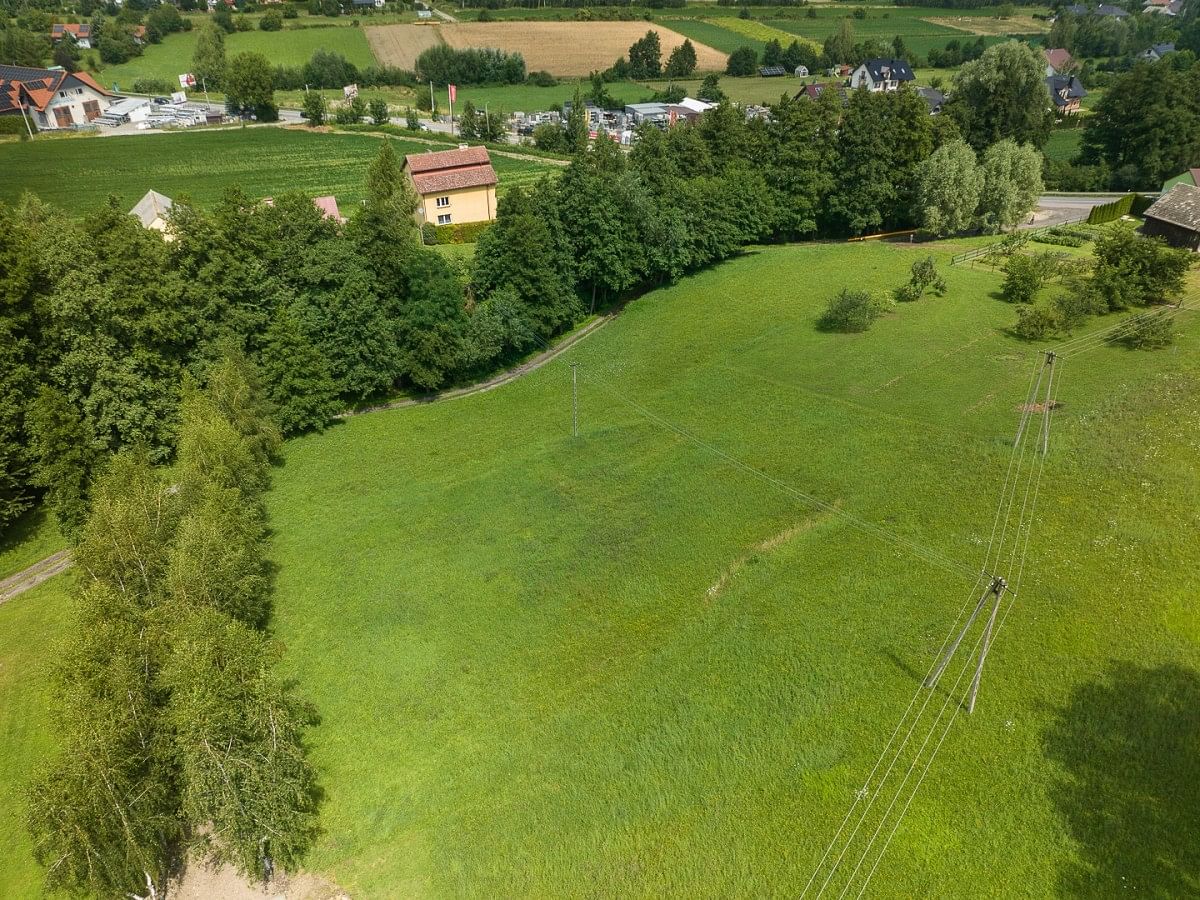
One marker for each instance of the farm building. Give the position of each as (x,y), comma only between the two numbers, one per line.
(53,98)
(688,109)
(882,75)
(1175,217)
(455,187)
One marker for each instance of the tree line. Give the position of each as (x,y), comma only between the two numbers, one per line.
(176,732)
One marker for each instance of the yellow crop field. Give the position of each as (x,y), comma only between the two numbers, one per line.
(757,31)
(400,45)
(568,48)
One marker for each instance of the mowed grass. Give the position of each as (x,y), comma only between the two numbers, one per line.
(1064,144)
(619,665)
(77,175)
(28,540)
(290,47)
(30,626)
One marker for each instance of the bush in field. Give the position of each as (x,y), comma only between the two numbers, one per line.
(315,108)
(351,113)
(378,110)
(852,311)
(1036,322)
(1151,331)
(272,20)
(924,277)
(1025,275)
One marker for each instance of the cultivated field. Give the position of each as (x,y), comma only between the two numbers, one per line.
(992,25)
(77,175)
(400,45)
(571,48)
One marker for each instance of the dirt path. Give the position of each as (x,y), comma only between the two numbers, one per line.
(496,381)
(18,584)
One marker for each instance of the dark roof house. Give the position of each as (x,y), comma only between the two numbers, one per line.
(881,74)
(1157,52)
(1107,9)
(1065,91)
(1175,217)
(935,98)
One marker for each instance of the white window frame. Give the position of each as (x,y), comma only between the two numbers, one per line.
(444,219)
(442,202)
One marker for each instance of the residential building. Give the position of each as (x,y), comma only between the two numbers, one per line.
(1058,62)
(935,98)
(881,75)
(1175,217)
(1065,92)
(813,91)
(52,98)
(152,212)
(1157,52)
(82,33)
(1116,12)
(454,187)
(327,206)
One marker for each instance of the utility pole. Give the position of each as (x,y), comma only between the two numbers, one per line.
(995,591)
(1050,358)
(574,400)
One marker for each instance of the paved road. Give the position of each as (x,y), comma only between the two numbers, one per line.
(1058,209)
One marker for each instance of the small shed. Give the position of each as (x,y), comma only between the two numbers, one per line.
(152,211)
(801,72)
(1175,217)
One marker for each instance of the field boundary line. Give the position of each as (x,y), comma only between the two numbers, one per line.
(495,381)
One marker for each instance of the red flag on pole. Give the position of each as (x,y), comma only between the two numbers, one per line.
(453,93)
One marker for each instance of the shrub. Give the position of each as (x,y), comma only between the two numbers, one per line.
(1058,240)
(272,20)
(379,111)
(1025,275)
(290,11)
(852,311)
(467,233)
(152,86)
(14,125)
(1151,331)
(350,113)
(1073,307)
(1108,212)
(541,78)
(1036,322)
(924,276)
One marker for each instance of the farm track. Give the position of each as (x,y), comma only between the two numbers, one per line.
(29,578)
(495,381)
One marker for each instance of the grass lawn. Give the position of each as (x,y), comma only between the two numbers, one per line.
(79,174)
(29,625)
(1064,144)
(618,665)
(291,47)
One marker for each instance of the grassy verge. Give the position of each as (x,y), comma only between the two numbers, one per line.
(30,539)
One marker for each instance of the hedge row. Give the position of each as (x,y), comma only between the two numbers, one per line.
(467,233)
(1110,212)
(16,125)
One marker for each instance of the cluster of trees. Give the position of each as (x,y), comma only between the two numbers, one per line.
(1109,36)
(102,318)
(1128,272)
(446,65)
(644,60)
(176,731)
(1146,127)
(957,192)
(329,69)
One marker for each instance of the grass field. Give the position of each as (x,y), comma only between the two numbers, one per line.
(618,665)
(30,539)
(77,175)
(29,626)
(1064,144)
(173,56)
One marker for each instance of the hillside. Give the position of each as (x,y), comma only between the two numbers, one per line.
(619,664)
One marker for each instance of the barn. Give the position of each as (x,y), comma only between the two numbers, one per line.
(1175,217)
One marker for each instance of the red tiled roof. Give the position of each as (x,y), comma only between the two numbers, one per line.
(1058,58)
(88,81)
(75,30)
(436,182)
(38,86)
(447,159)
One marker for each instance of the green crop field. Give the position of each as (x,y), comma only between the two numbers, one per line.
(622,665)
(79,174)
(291,47)
(529,98)
(1064,144)
(713,34)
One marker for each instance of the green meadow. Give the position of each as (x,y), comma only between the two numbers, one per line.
(625,664)
(620,664)
(80,173)
(290,47)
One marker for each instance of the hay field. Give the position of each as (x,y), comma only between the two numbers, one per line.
(400,45)
(569,48)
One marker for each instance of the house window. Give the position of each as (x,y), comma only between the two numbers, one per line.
(443,201)
(63,117)
(444,219)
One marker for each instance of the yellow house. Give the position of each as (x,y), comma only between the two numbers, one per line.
(454,187)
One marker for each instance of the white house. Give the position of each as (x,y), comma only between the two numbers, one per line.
(52,98)
(82,33)
(152,211)
(881,74)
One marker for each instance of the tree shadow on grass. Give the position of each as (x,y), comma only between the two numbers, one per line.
(1130,747)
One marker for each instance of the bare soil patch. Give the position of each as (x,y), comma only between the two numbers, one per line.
(991,24)
(400,45)
(569,48)
(200,881)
